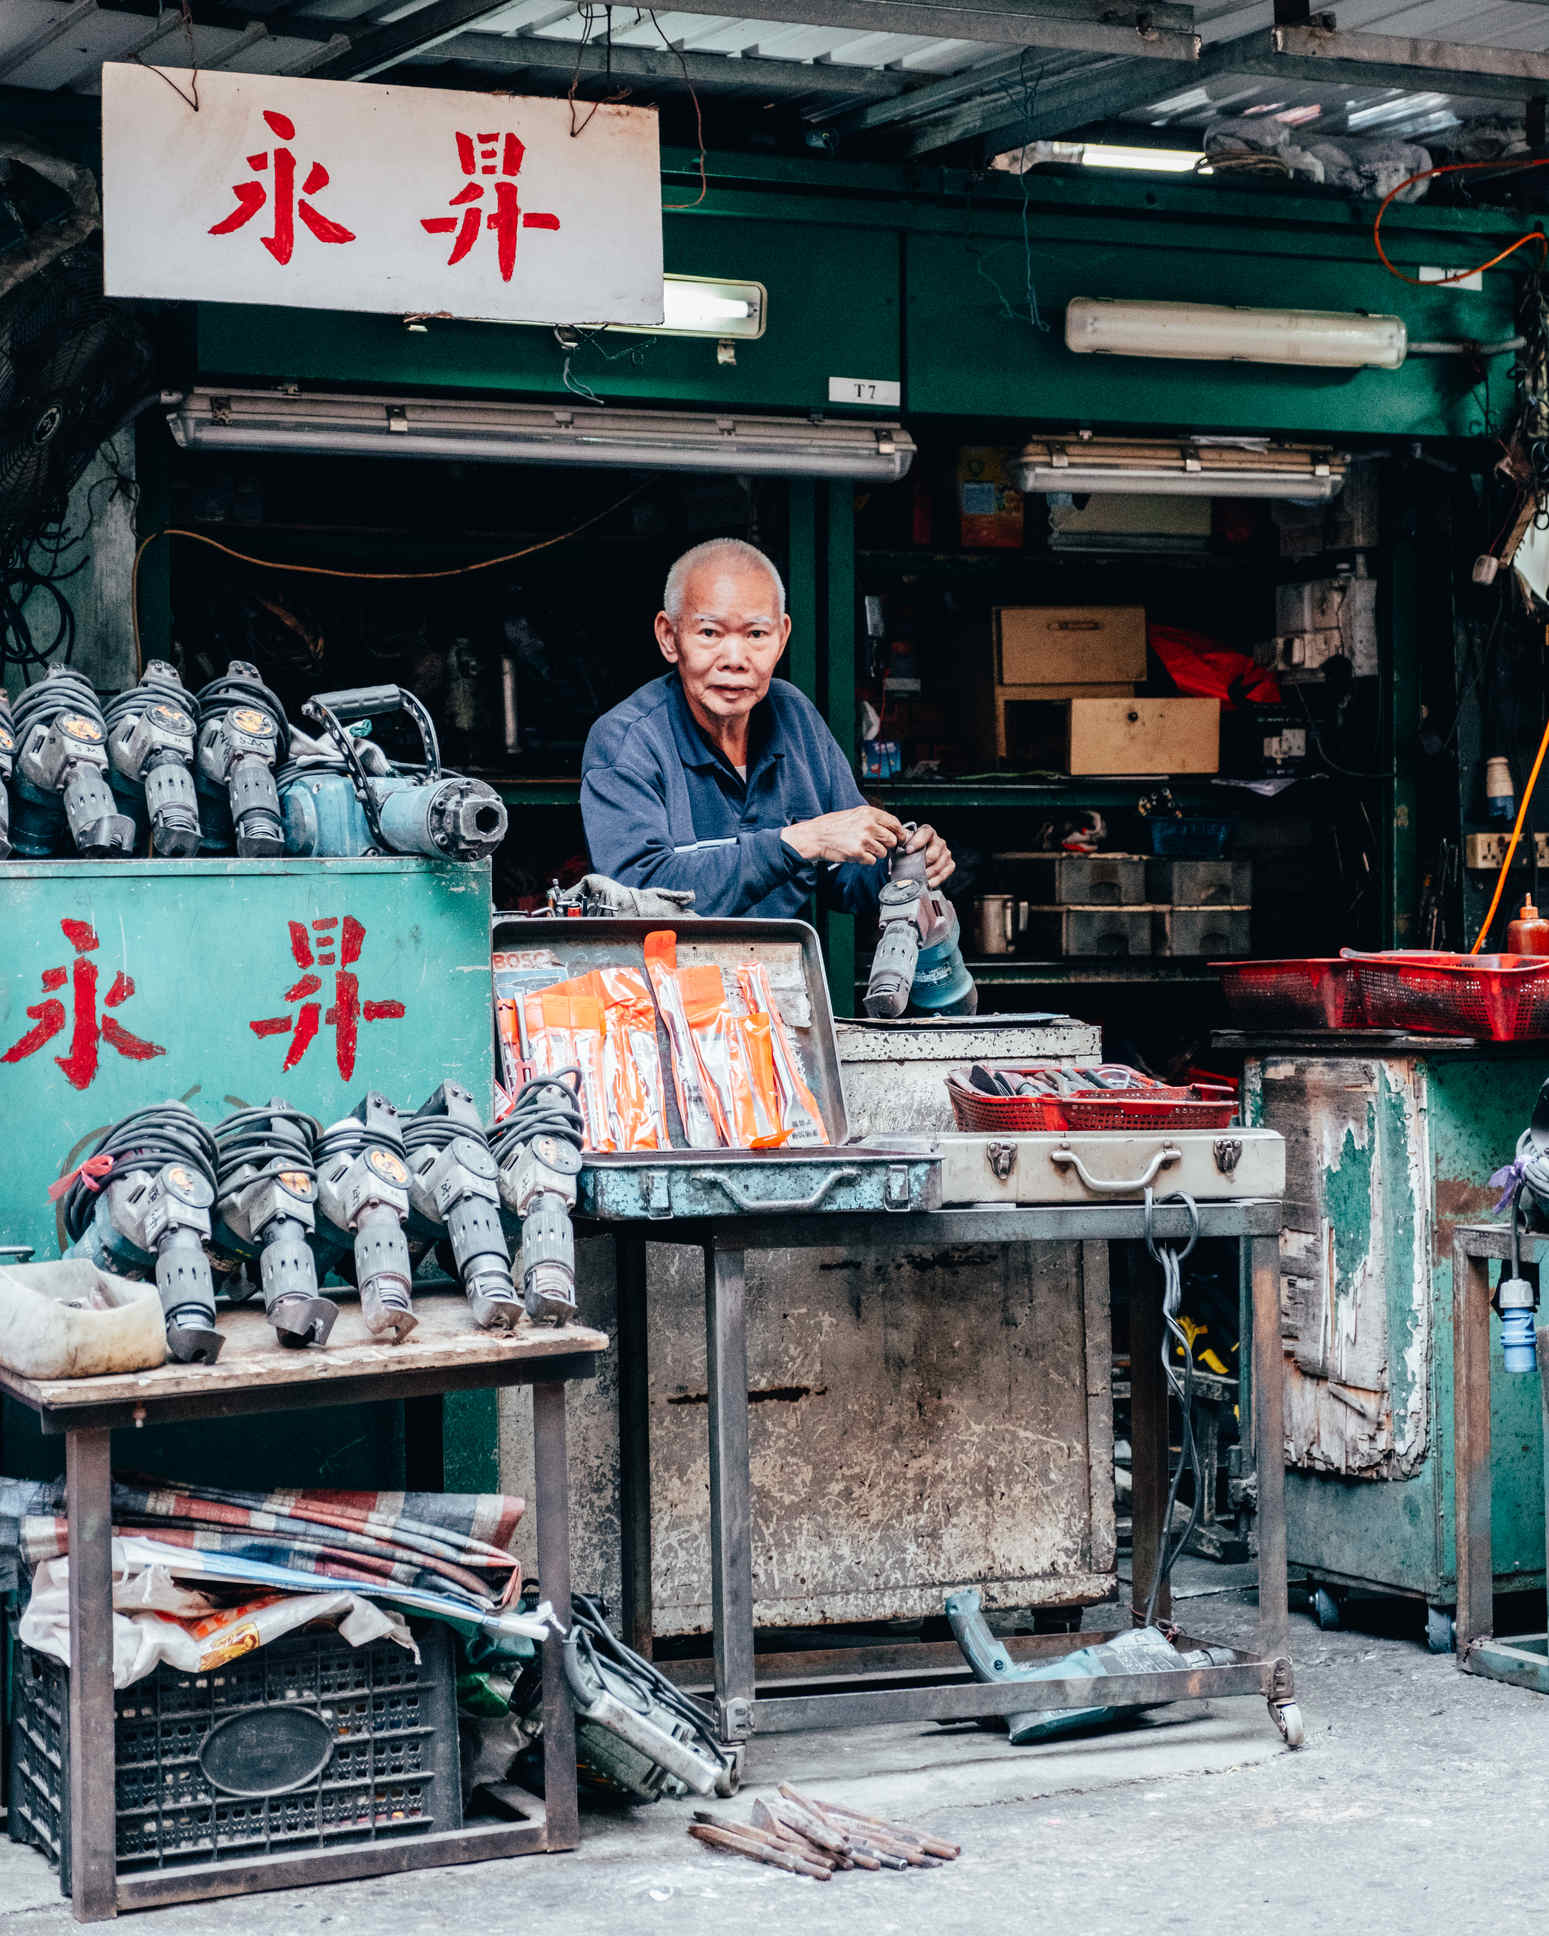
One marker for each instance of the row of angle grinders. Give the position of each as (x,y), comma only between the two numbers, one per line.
(269,1192)
(162,770)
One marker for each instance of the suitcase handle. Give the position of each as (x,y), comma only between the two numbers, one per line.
(748,1204)
(1118,1186)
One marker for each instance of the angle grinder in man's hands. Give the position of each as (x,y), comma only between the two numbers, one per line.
(919,959)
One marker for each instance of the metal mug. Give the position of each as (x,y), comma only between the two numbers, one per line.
(996,920)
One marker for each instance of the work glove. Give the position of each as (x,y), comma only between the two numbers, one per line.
(598,895)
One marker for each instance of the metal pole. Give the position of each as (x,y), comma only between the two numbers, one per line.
(1149,1438)
(731,1516)
(1471,1446)
(1269,1437)
(634,1375)
(562,1816)
(93,1761)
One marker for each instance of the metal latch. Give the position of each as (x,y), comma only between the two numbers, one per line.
(1002,1159)
(659,1200)
(1228,1154)
(897,1194)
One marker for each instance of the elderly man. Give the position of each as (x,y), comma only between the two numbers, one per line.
(719,777)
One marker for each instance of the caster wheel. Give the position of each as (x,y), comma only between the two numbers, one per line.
(1288,1719)
(1327,1611)
(1440,1630)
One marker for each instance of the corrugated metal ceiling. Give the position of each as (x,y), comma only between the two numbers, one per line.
(61,45)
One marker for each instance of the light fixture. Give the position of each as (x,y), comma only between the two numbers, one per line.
(707,306)
(1102,154)
(1209,332)
(1080,464)
(536,433)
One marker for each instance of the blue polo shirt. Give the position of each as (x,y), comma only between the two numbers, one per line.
(664,808)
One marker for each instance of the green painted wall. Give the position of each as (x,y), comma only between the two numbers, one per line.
(921,275)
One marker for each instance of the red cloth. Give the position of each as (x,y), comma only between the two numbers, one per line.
(1199,665)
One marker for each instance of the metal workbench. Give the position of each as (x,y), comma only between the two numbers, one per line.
(1523,1659)
(858,1686)
(255,1375)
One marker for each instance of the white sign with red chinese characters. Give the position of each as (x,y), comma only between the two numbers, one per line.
(406,200)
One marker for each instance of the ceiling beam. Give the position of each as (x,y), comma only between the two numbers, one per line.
(536,54)
(1162,32)
(1010,114)
(1320,54)
(406,39)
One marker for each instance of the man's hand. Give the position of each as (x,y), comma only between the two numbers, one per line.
(861,834)
(939,864)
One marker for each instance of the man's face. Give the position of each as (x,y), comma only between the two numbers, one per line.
(726,640)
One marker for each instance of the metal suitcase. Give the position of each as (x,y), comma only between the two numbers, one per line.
(1111,1166)
(682,1182)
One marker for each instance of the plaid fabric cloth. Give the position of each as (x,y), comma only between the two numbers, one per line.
(455,1543)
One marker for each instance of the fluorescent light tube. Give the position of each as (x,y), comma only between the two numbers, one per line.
(497,432)
(1210,332)
(1084,465)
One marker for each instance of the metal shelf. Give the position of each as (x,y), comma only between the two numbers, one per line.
(1008,972)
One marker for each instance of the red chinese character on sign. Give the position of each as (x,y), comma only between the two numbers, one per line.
(88,1031)
(488,154)
(347,1012)
(251,196)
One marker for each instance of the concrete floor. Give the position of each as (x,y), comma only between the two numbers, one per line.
(1420,1803)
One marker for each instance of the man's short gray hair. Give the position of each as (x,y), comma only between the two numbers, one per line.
(731,551)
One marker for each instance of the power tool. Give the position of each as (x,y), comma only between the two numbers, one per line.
(243,737)
(454,1195)
(363,1195)
(7,765)
(145,1211)
(919,959)
(62,772)
(151,734)
(637,1735)
(345,797)
(266,1213)
(538,1149)
(1143,1650)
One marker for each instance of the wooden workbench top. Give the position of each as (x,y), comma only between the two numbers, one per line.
(254,1373)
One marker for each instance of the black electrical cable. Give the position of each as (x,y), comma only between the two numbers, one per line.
(65,692)
(152,690)
(545,1106)
(238,689)
(1170,1257)
(274,1138)
(147,1139)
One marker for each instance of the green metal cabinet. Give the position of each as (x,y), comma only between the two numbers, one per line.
(222,983)
(1386,1148)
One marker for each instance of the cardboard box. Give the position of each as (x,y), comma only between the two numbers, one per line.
(1041,645)
(997,737)
(1144,736)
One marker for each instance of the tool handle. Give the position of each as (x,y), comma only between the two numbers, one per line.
(375,702)
(983,1652)
(1111,1186)
(746,1203)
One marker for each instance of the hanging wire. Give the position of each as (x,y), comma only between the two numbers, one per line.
(1170,1258)
(672,208)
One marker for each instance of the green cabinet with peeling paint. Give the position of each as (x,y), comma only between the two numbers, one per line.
(1386,1148)
(224,982)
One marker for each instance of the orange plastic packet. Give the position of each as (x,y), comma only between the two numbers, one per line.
(631,1060)
(564,1031)
(797,1110)
(701,1129)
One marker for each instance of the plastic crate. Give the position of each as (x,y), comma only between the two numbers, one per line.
(1311,993)
(305,1743)
(1146,1104)
(1499,998)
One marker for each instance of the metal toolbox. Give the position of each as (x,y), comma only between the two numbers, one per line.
(1106,1166)
(1211,931)
(1073,880)
(1049,932)
(1199,883)
(683,1182)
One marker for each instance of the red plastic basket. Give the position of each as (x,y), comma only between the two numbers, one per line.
(1500,998)
(1314,993)
(1149,1105)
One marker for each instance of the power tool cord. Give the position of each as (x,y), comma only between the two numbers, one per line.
(1170,1258)
(237,689)
(545,1106)
(275,1139)
(148,1139)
